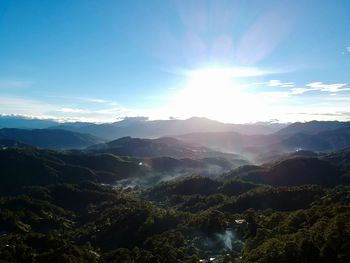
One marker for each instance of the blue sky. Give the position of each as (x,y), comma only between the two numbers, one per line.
(234,61)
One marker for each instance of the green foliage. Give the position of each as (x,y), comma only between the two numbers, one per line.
(64,214)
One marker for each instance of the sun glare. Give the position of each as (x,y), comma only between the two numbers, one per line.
(215,93)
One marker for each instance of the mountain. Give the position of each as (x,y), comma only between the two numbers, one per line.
(28,167)
(143,128)
(230,141)
(12,121)
(312,127)
(257,149)
(265,147)
(33,166)
(165,146)
(49,138)
(292,171)
(323,141)
(140,126)
(23,122)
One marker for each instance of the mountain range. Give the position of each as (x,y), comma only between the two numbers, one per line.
(259,142)
(141,127)
(48,138)
(310,136)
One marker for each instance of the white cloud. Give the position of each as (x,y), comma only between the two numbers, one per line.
(348,48)
(278,83)
(87,99)
(96,100)
(294,91)
(336,87)
(297,91)
(73,110)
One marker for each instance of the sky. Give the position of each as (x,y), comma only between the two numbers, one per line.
(233,61)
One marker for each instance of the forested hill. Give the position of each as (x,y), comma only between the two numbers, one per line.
(77,207)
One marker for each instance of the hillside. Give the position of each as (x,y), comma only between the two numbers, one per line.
(279,143)
(8,143)
(62,206)
(163,147)
(49,138)
(293,171)
(28,167)
(323,141)
(31,166)
(312,127)
(21,122)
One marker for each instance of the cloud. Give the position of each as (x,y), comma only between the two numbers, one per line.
(314,86)
(278,83)
(297,91)
(331,114)
(324,116)
(95,100)
(87,99)
(348,48)
(275,83)
(100,101)
(73,110)
(336,87)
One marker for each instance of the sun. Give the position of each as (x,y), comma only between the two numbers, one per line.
(215,93)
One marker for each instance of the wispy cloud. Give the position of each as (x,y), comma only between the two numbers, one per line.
(348,49)
(275,83)
(336,87)
(297,91)
(322,115)
(100,101)
(94,100)
(73,110)
(313,86)
(278,83)
(87,99)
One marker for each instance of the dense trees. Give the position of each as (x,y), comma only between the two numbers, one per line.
(78,219)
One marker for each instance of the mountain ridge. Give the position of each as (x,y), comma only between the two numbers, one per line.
(49,138)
